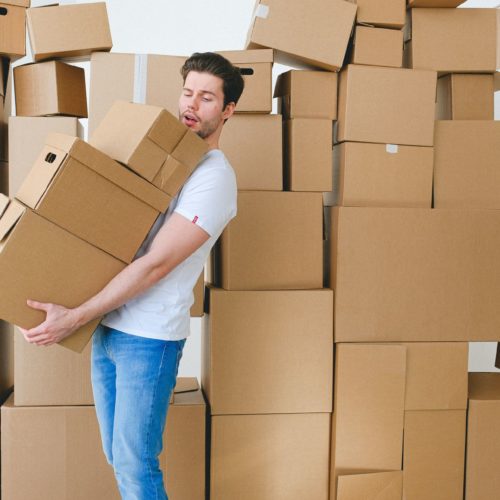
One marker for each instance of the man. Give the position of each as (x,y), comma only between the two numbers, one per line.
(137,348)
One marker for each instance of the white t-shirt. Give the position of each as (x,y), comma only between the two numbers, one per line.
(208,199)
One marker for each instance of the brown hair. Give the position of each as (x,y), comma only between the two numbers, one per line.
(217,65)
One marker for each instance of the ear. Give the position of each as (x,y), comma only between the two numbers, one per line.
(229,110)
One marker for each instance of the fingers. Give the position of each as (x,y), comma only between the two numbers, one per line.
(41,306)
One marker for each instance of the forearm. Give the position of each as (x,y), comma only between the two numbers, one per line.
(130,282)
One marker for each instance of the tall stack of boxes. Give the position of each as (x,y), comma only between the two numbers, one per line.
(58,227)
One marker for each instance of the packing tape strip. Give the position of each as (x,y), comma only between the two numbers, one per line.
(262,11)
(391,148)
(140,78)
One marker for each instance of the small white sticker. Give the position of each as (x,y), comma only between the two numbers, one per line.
(391,148)
(262,11)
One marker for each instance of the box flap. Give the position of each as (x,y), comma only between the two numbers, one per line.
(376,486)
(484,386)
(10,217)
(186,384)
(248,56)
(40,176)
(167,131)
(110,169)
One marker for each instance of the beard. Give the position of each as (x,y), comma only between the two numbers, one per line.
(207,128)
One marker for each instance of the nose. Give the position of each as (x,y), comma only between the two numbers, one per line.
(192,102)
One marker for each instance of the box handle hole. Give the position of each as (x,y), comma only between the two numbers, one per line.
(3,11)
(50,158)
(246,71)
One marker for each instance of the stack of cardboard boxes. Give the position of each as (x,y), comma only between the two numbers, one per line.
(61,243)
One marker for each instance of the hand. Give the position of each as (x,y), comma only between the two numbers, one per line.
(59,323)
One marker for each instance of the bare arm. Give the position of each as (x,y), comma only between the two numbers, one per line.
(175,241)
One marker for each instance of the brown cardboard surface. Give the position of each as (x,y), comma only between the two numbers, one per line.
(321,41)
(6,358)
(253,146)
(113,77)
(142,136)
(50,376)
(388,13)
(307,94)
(199,296)
(274,243)
(72,270)
(93,197)
(308,146)
(377,46)
(465,97)
(20,3)
(68,30)
(26,140)
(77,469)
(50,88)
(423,275)
(376,485)
(381,175)
(244,331)
(454,40)
(483,437)
(279,457)
(466,173)
(434,453)
(12,30)
(367,423)
(436,375)
(386,105)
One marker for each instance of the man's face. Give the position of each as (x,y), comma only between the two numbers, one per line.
(201,104)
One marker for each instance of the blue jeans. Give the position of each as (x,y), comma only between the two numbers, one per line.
(132,380)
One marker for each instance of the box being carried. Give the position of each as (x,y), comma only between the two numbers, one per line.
(93,197)
(41,261)
(68,30)
(150,141)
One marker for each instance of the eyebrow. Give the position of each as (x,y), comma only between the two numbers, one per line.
(200,92)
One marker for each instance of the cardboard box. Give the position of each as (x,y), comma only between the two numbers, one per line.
(320,42)
(156,80)
(20,3)
(12,30)
(386,105)
(197,308)
(307,94)
(377,47)
(379,485)
(26,140)
(93,197)
(274,243)
(308,146)
(292,464)
(483,436)
(434,455)
(388,13)
(5,111)
(240,326)
(466,173)
(465,97)
(50,376)
(68,30)
(423,275)
(6,359)
(253,146)
(77,469)
(50,88)
(56,267)
(367,423)
(436,375)
(381,175)
(454,40)
(143,137)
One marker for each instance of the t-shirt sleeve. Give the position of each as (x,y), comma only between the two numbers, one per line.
(208,199)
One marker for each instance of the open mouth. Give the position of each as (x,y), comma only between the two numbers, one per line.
(189,120)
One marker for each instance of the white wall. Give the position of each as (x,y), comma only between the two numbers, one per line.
(180,27)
